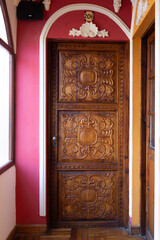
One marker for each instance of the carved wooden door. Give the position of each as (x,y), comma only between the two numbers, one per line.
(87,134)
(150,135)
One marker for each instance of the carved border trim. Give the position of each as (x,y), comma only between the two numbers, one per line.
(88,166)
(81,46)
(62,106)
(121,132)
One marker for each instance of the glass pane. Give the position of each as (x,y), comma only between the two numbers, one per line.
(152,95)
(3,33)
(4,105)
(152,130)
(152,58)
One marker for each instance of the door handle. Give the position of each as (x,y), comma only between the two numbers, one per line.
(147,186)
(54,141)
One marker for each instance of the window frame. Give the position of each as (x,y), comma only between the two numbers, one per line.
(9,47)
(150,77)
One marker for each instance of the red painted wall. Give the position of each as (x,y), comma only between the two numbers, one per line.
(102,22)
(27,95)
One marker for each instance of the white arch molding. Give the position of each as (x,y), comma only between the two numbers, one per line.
(42,86)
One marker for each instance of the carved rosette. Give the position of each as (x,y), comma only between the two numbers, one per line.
(86,137)
(87,77)
(88,196)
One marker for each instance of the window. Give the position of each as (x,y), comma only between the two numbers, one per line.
(6,91)
(151,91)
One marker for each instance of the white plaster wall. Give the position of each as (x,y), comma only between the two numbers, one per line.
(13,20)
(7,203)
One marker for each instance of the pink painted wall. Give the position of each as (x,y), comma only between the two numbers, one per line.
(27,96)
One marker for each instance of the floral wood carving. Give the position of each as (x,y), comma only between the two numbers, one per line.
(87,77)
(86,137)
(88,196)
(96,168)
(88,30)
(142,8)
(88,166)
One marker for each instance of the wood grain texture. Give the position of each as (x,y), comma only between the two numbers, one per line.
(88,196)
(88,77)
(31,229)
(12,234)
(87,137)
(135,230)
(81,234)
(88,113)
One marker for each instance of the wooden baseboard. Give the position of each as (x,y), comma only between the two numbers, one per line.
(134,230)
(31,229)
(12,234)
(148,235)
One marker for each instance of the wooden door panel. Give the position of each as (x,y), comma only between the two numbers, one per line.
(87,196)
(87,136)
(87,76)
(87,114)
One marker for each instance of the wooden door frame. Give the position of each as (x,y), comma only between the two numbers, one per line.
(126,124)
(143,125)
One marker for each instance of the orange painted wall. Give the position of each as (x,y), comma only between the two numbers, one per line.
(136,131)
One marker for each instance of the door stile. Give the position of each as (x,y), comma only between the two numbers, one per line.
(52,74)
